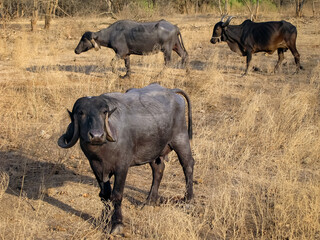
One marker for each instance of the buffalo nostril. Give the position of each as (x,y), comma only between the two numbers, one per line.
(95,135)
(91,136)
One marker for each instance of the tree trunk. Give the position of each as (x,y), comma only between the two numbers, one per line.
(35,14)
(299,6)
(226,7)
(249,6)
(186,6)
(256,10)
(197,5)
(51,5)
(220,9)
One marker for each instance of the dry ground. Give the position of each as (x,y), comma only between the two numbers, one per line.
(256,138)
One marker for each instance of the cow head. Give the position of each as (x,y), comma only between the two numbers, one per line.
(87,41)
(89,122)
(218,30)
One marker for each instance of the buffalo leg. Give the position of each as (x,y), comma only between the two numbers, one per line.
(167,57)
(105,194)
(167,50)
(280,59)
(105,190)
(116,198)
(181,146)
(127,65)
(157,173)
(181,52)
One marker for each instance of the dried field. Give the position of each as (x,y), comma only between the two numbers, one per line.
(256,138)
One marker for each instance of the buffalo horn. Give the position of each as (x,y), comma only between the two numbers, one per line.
(72,132)
(95,44)
(110,137)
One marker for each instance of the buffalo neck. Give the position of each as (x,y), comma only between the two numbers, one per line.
(102,37)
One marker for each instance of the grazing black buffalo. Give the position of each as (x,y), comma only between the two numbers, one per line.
(119,130)
(250,37)
(127,37)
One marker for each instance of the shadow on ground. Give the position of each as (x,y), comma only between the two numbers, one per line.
(30,179)
(88,69)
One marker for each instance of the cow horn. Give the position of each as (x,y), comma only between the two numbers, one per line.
(71,136)
(226,23)
(223,17)
(110,136)
(95,44)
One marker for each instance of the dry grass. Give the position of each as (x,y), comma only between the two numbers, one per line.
(256,139)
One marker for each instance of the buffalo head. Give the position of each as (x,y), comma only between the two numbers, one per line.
(89,122)
(218,30)
(86,43)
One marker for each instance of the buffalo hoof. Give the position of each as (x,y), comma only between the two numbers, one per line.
(117,229)
(244,74)
(153,201)
(256,69)
(125,76)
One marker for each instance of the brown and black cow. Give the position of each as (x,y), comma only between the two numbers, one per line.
(250,37)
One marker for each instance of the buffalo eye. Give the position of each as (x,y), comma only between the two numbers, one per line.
(80,113)
(105,111)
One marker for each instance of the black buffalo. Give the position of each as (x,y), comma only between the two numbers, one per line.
(119,130)
(127,37)
(250,37)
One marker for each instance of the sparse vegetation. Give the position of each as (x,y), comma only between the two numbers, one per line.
(256,139)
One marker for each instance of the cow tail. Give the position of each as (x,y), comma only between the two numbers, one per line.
(179,91)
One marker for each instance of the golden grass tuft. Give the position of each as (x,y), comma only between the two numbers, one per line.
(4,182)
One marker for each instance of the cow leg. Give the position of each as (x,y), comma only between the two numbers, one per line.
(157,173)
(181,146)
(249,56)
(280,59)
(296,56)
(116,198)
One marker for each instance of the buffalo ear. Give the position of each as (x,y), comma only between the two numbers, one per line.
(111,137)
(70,115)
